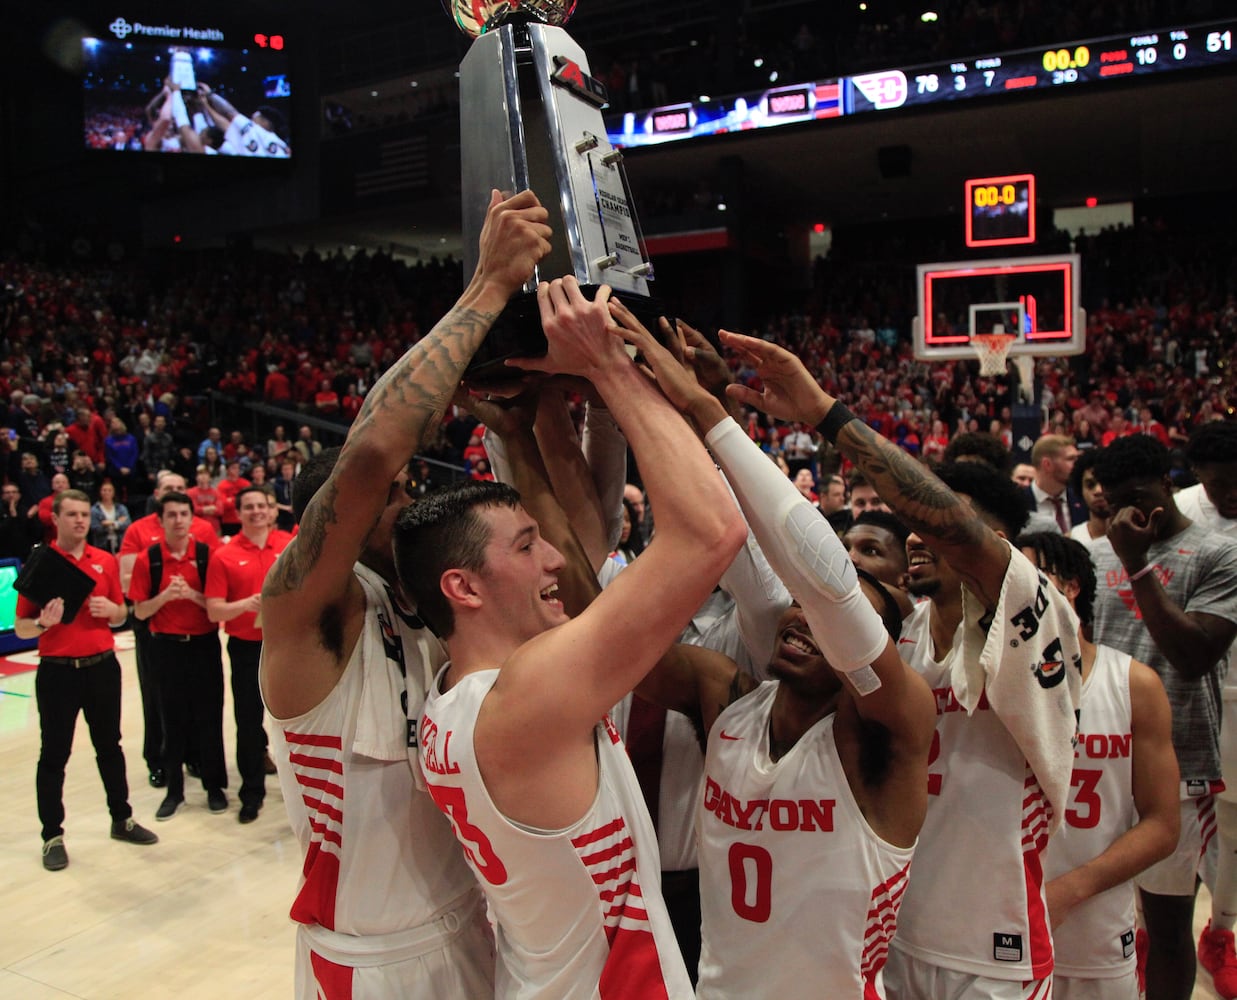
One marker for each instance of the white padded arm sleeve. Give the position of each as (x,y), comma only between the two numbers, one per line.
(804,551)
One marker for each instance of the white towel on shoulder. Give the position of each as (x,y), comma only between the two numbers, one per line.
(1030,663)
(400,662)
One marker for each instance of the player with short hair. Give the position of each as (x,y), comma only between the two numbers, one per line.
(260,134)
(385,905)
(1005,674)
(1168,597)
(1123,814)
(815,781)
(558,834)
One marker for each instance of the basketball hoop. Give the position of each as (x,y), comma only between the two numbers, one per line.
(992,349)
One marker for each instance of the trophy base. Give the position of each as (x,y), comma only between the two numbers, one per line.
(517,334)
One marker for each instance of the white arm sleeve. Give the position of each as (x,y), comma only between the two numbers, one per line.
(805,552)
(605,452)
(759,597)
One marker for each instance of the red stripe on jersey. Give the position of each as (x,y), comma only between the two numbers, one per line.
(1040,944)
(630,888)
(328,835)
(601,833)
(633,968)
(334,982)
(610,874)
(323,808)
(324,785)
(623,910)
(869,988)
(317,763)
(881,924)
(1042,988)
(615,850)
(314,740)
(315,902)
(1207,821)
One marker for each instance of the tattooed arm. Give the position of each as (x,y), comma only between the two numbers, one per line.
(697,682)
(944,520)
(312,605)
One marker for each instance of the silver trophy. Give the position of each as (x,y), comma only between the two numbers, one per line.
(530,117)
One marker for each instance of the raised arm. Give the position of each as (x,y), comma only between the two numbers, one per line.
(570,475)
(310,600)
(562,682)
(1193,641)
(946,522)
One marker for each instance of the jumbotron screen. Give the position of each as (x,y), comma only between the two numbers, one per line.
(186,84)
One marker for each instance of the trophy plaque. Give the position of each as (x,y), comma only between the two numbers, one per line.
(530,117)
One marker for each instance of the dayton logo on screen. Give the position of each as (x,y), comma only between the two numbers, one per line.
(570,75)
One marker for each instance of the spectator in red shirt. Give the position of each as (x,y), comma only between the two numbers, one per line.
(46,515)
(184,643)
(1118,427)
(205,499)
(326,399)
(1147,424)
(89,433)
(275,387)
(78,670)
(234,597)
(351,404)
(228,490)
(143,533)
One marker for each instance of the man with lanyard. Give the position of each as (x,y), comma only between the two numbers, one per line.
(142,534)
(184,644)
(78,671)
(233,596)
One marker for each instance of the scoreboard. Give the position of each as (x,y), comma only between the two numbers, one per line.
(1090,63)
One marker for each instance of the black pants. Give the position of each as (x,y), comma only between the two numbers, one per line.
(248,711)
(61,691)
(152,705)
(681,891)
(191,689)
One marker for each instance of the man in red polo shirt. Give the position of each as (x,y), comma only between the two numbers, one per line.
(234,597)
(142,534)
(184,647)
(228,490)
(78,671)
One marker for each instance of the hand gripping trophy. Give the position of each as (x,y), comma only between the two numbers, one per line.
(530,117)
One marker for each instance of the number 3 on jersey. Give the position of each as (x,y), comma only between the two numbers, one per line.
(476,844)
(1084,810)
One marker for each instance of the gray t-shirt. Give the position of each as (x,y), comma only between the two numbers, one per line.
(1198,569)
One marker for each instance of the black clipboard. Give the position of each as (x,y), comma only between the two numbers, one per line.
(47,574)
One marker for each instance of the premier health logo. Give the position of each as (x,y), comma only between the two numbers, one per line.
(120,28)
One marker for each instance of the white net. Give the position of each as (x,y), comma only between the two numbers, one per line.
(992,349)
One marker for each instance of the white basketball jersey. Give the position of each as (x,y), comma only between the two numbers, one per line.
(975,903)
(798,896)
(379,857)
(579,911)
(1097,939)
